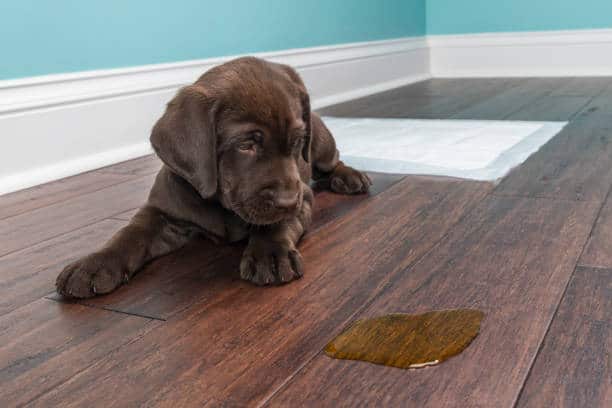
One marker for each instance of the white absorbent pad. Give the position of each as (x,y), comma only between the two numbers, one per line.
(473,149)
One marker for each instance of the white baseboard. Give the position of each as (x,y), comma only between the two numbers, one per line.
(60,125)
(522,54)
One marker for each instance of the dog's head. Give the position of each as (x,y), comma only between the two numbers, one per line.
(238,134)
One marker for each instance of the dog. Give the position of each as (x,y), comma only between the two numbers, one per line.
(239,148)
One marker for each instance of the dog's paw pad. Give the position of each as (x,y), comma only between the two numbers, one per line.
(88,277)
(271,264)
(347,180)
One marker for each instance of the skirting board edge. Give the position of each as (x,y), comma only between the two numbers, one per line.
(569,53)
(61,125)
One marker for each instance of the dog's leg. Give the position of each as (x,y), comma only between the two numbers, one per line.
(271,256)
(326,164)
(148,235)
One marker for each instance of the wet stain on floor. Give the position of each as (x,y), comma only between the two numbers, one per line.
(408,341)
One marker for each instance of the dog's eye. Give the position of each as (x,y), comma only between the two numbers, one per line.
(247,146)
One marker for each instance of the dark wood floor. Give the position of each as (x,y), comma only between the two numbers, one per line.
(534,252)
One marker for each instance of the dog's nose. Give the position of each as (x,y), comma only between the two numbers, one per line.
(286,201)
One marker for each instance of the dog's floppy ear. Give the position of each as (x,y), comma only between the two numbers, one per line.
(305,99)
(185,139)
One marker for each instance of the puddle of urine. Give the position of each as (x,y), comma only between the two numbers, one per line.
(408,341)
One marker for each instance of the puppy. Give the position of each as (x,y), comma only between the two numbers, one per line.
(239,148)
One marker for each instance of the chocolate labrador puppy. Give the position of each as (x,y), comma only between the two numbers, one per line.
(239,148)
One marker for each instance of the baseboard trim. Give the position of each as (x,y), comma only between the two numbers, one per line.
(522,54)
(67,168)
(60,125)
(57,89)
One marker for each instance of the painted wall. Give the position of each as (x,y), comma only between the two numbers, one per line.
(478,16)
(52,36)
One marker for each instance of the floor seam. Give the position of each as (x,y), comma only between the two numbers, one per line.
(115,216)
(530,102)
(597,268)
(117,219)
(89,305)
(557,307)
(492,96)
(536,197)
(582,108)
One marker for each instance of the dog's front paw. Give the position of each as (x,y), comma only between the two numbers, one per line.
(347,180)
(95,274)
(271,263)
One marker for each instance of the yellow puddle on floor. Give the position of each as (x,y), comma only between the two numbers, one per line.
(408,341)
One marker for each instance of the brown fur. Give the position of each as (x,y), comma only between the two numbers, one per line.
(239,147)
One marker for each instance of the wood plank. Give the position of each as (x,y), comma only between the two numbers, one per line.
(583,86)
(137,167)
(30,274)
(510,258)
(573,368)
(274,331)
(457,86)
(433,86)
(402,107)
(504,104)
(439,107)
(598,250)
(56,191)
(420,101)
(171,284)
(35,226)
(45,343)
(329,206)
(365,106)
(575,165)
(126,215)
(422,106)
(552,108)
(448,87)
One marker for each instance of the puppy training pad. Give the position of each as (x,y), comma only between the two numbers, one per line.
(472,149)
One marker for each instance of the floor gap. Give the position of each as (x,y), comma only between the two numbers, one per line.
(108,309)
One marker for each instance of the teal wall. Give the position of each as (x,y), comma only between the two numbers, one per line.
(39,37)
(478,16)
(51,36)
